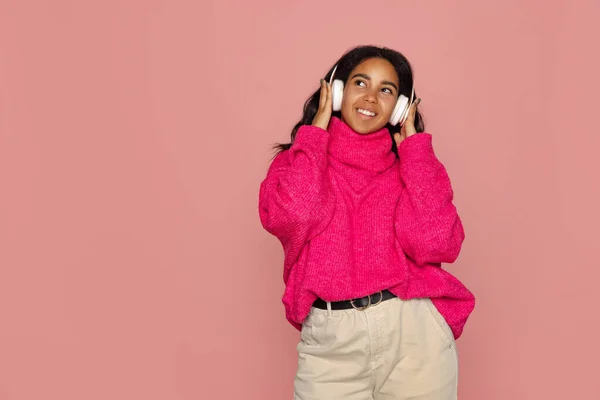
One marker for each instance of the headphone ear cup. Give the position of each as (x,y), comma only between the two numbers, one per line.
(399,110)
(337,93)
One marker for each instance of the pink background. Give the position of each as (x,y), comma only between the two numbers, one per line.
(133,139)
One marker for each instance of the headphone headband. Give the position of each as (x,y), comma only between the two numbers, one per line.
(332,74)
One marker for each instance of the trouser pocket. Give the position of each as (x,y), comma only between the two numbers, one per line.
(440,322)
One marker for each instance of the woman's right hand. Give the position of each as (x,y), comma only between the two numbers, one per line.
(323,116)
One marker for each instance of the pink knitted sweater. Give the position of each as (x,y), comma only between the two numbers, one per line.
(353,220)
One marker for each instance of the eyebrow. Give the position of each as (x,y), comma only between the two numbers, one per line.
(367,77)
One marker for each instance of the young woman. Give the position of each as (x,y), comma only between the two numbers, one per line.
(363,209)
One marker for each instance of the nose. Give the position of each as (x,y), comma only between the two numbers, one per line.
(371,96)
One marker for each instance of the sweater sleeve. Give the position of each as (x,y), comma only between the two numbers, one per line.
(428,227)
(295,200)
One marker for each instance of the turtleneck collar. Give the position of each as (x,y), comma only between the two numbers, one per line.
(372,152)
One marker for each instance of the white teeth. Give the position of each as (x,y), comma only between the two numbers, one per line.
(366,112)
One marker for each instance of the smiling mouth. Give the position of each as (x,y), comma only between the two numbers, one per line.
(366,113)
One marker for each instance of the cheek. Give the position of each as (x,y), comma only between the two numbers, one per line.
(348,102)
(387,106)
(349,99)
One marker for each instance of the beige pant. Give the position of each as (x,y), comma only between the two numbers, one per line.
(394,350)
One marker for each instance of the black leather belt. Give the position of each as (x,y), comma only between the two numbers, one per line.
(360,304)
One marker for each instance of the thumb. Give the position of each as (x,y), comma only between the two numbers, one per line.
(397,138)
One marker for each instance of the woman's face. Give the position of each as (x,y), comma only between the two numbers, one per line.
(370,94)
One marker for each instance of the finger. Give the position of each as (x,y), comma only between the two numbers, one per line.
(413,110)
(323,96)
(329,98)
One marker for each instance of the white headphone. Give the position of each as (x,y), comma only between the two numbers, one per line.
(399,114)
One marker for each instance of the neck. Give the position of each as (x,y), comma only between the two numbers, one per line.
(372,151)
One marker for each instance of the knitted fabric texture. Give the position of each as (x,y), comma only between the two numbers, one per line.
(353,219)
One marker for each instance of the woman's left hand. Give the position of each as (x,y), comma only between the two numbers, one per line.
(408,128)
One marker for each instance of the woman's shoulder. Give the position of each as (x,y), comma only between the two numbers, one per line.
(280,160)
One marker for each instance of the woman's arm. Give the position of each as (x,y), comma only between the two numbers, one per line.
(295,201)
(428,227)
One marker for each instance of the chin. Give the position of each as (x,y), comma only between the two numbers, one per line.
(364,128)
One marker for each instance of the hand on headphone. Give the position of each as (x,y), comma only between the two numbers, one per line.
(408,129)
(323,116)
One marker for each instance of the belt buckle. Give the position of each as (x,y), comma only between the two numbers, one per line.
(380,298)
(361,308)
(368,305)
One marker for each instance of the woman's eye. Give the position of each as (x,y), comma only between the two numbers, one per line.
(387,90)
(360,83)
